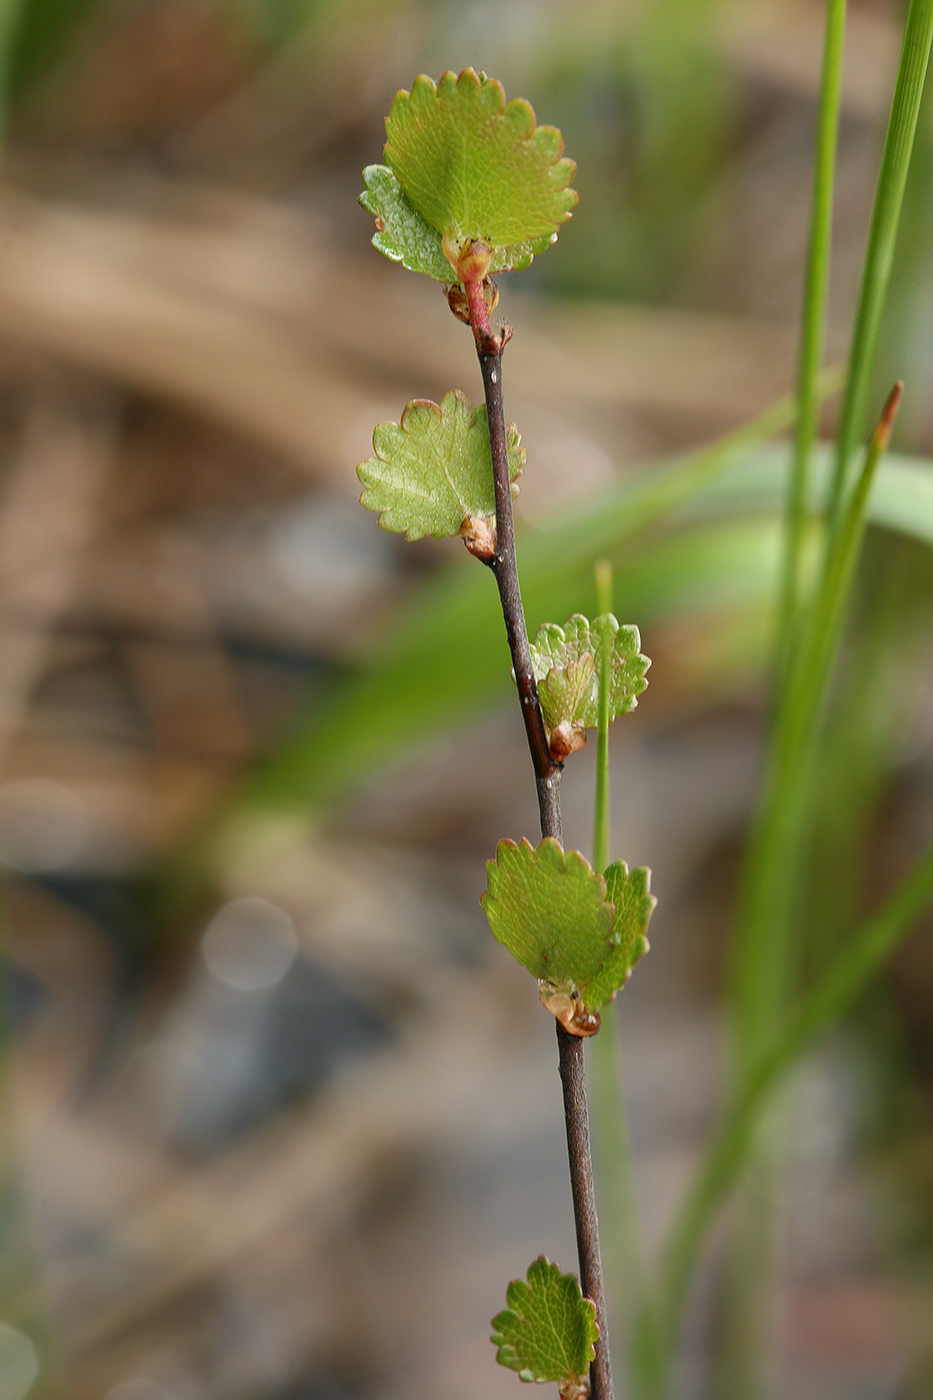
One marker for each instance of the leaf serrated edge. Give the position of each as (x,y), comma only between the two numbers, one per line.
(637,945)
(548,851)
(394,242)
(542,1274)
(566,732)
(562,997)
(511,855)
(455,400)
(559,172)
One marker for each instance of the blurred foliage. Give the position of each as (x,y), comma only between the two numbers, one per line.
(648,114)
(714,576)
(646,101)
(42,33)
(654,107)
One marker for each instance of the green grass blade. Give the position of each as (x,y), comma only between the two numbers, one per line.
(768,922)
(811,672)
(624,1264)
(765,915)
(629,1286)
(879,258)
(901,500)
(812,331)
(766,926)
(601,813)
(818,1010)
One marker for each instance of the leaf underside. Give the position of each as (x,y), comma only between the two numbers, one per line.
(432,472)
(402,234)
(464,164)
(567,925)
(567,664)
(548,1330)
(631,895)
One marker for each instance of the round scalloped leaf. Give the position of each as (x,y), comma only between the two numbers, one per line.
(432,473)
(630,892)
(548,1330)
(402,235)
(477,167)
(557,654)
(549,908)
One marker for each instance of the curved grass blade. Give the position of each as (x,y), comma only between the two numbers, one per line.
(879,257)
(817,1011)
(812,332)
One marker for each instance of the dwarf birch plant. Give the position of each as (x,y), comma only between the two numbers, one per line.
(473,186)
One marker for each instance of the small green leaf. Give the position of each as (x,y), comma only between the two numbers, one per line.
(472,166)
(566,692)
(548,1330)
(432,473)
(579,934)
(630,892)
(567,662)
(401,233)
(549,908)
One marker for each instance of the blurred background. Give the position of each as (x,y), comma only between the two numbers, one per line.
(278,1118)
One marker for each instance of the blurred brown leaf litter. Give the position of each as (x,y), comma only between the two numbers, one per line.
(248,1147)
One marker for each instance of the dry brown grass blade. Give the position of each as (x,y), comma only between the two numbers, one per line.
(47,521)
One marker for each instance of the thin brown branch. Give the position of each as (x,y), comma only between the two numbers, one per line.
(547,771)
(505,569)
(576,1118)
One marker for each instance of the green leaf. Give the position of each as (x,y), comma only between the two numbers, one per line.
(549,908)
(476,167)
(567,663)
(401,233)
(566,691)
(573,930)
(631,894)
(548,1331)
(432,473)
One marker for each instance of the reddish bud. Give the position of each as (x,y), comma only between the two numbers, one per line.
(478,533)
(565,739)
(460,306)
(473,261)
(456,300)
(470,260)
(882,433)
(563,1002)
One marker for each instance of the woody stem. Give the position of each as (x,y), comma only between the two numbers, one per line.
(547,772)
